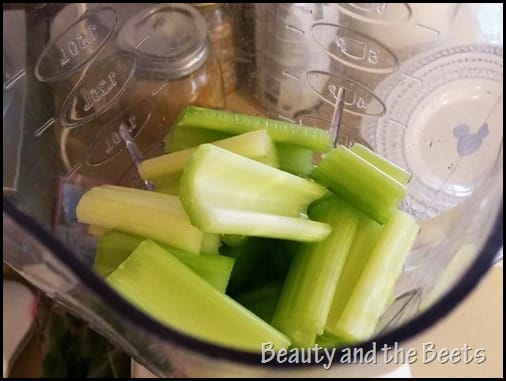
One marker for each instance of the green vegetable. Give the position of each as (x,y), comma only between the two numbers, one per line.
(262,300)
(226,193)
(182,138)
(144,213)
(233,123)
(159,284)
(295,159)
(359,183)
(114,247)
(372,291)
(256,145)
(307,293)
(398,173)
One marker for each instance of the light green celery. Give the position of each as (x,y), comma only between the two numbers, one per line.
(226,193)
(211,243)
(233,123)
(233,240)
(182,138)
(168,184)
(114,247)
(159,284)
(144,213)
(366,237)
(359,183)
(295,159)
(256,145)
(307,293)
(372,292)
(262,300)
(327,341)
(391,169)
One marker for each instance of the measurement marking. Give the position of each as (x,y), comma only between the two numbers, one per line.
(142,41)
(412,78)
(403,125)
(44,127)
(295,29)
(160,88)
(73,171)
(11,81)
(435,31)
(290,75)
(286,118)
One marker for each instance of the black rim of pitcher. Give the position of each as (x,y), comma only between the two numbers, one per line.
(127,311)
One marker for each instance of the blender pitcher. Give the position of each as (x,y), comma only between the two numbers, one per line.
(422,86)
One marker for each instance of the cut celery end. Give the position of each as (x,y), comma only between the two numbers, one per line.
(114,247)
(295,159)
(143,213)
(391,169)
(182,138)
(359,183)
(256,145)
(366,236)
(211,243)
(307,293)
(233,123)
(152,279)
(216,178)
(375,286)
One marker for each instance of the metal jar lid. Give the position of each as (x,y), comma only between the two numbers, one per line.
(169,40)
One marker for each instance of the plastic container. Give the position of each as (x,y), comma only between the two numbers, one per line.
(432,105)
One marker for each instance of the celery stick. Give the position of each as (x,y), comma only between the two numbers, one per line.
(373,290)
(226,193)
(256,145)
(168,184)
(391,169)
(359,183)
(366,237)
(182,138)
(307,293)
(233,240)
(295,159)
(159,284)
(144,213)
(233,123)
(327,341)
(211,243)
(262,300)
(114,247)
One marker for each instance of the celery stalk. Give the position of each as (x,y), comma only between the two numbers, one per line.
(182,138)
(256,145)
(144,213)
(372,291)
(366,237)
(295,159)
(307,293)
(360,183)
(168,184)
(114,247)
(226,193)
(211,243)
(391,169)
(159,284)
(233,123)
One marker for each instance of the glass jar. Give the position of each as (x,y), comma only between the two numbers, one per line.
(157,62)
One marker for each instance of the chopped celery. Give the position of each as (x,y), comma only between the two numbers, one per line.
(233,123)
(262,300)
(327,341)
(159,284)
(114,247)
(359,183)
(234,240)
(304,304)
(226,193)
(256,145)
(211,243)
(366,237)
(168,184)
(182,138)
(391,169)
(144,213)
(295,159)
(372,291)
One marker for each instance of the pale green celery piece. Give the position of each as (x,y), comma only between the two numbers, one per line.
(226,193)
(168,184)
(114,247)
(307,293)
(328,341)
(211,243)
(256,145)
(372,292)
(140,212)
(295,159)
(233,123)
(367,235)
(391,169)
(360,183)
(233,240)
(182,138)
(159,284)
